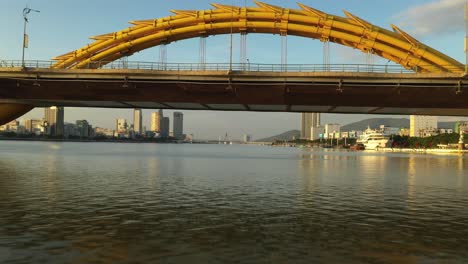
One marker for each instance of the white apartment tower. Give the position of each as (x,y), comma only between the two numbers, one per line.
(423,126)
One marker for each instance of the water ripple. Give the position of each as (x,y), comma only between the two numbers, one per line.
(104,203)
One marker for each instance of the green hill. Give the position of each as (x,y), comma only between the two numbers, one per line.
(375,123)
(288,135)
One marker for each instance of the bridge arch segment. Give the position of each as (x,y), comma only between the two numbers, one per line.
(352,31)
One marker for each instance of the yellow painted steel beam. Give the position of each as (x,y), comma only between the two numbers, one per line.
(225,28)
(351,31)
(9,112)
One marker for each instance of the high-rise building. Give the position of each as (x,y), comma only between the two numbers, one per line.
(70,130)
(34,125)
(83,128)
(165,127)
(423,126)
(138,121)
(121,126)
(54,116)
(156,118)
(178,125)
(309,121)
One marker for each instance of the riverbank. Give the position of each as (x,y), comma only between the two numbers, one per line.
(425,151)
(164,141)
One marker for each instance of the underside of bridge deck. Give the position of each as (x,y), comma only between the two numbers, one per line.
(237,91)
(9,112)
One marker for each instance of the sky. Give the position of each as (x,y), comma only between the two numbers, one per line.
(66,25)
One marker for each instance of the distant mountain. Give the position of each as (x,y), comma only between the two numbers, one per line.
(446,125)
(374,123)
(288,135)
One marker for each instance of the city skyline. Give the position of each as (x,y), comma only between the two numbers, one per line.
(412,17)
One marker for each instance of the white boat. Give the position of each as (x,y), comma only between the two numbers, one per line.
(374,139)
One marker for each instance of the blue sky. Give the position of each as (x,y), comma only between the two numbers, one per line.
(65,25)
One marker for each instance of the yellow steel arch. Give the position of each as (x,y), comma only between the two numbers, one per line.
(352,31)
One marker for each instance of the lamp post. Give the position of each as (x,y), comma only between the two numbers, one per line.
(386,66)
(230,43)
(26,11)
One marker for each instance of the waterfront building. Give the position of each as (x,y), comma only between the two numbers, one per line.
(10,127)
(164,127)
(121,126)
(83,128)
(34,126)
(164,130)
(461,127)
(423,126)
(445,131)
(138,121)
(70,130)
(331,130)
(309,121)
(54,118)
(404,132)
(315,132)
(156,118)
(247,138)
(178,125)
(354,134)
(334,135)
(103,132)
(389,130)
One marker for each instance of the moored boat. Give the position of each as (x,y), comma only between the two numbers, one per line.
(374,139)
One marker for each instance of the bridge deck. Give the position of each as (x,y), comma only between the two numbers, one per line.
(332,92)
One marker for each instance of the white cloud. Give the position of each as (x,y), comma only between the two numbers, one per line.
(433,18)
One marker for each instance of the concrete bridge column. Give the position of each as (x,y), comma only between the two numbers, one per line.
(9,112)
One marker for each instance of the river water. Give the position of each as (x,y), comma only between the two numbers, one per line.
(189,203)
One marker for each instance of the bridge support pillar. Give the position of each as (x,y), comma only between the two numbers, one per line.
(9,112)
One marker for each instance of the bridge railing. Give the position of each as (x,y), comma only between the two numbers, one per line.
(250,67)
(27,64)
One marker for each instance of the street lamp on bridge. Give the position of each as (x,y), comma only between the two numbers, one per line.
(26,11)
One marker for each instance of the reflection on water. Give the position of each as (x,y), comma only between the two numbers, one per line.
(130,203)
